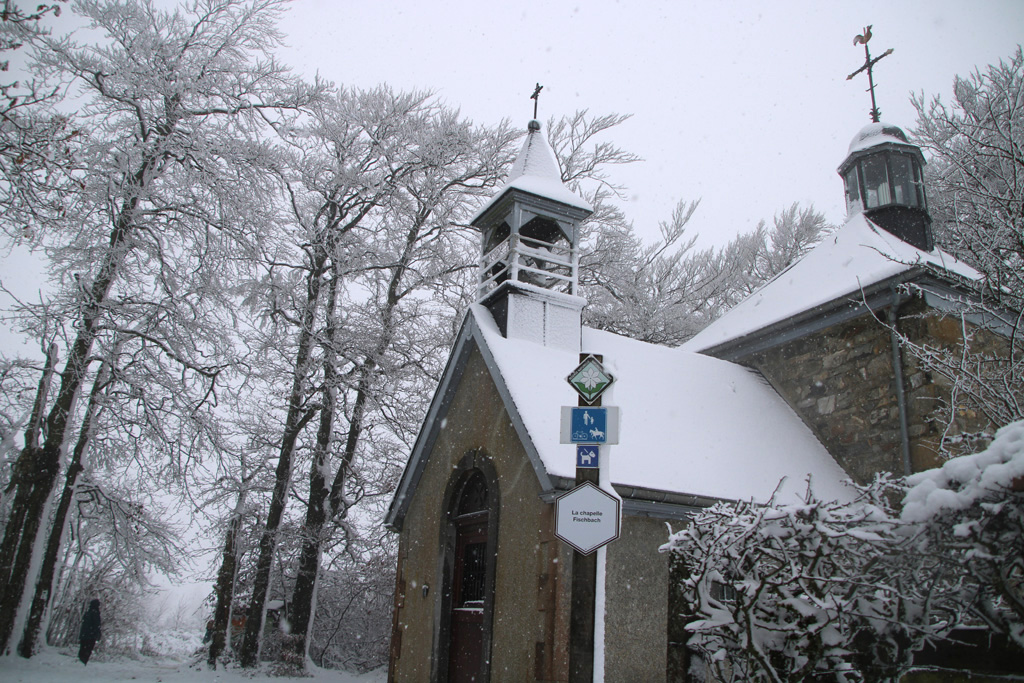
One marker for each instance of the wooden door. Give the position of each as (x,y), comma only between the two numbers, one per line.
(465,652)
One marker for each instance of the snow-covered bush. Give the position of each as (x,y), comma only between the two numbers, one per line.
(849,591)
(805,590)
(971,511)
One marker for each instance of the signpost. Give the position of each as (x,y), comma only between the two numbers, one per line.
(587,517)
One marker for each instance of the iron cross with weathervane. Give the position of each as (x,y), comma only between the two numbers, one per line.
(590,380)
(869,65)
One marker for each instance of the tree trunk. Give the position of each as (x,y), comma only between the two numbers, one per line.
(298,416)
(304,594)
(23,471)
(44,584)
(325,504)
(226,585)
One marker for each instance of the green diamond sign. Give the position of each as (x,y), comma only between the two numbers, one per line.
(589,379)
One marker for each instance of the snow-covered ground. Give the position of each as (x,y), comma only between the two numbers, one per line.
(56,666)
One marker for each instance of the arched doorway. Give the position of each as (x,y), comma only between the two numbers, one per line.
(469,567)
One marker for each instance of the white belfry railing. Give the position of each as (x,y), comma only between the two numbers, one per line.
(524,259)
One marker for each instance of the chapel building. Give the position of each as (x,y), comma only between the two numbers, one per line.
(805,381)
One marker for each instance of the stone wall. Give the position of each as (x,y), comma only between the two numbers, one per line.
(930,393)
(842,383)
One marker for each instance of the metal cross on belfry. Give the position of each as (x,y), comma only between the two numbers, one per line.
(536,98)
(868,66)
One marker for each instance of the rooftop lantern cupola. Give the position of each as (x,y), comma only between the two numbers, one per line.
(882,175)
(529,258)
(883,172)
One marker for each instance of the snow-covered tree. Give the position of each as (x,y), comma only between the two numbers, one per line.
(660,292)
(667,291)
(34,138)
(418,244)
(664,291)
(851,590)
(139,225)
(975,145)
(752,259)
(378,186)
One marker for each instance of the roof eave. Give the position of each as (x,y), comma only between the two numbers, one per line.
(502,204)
(638,501)
(877,296)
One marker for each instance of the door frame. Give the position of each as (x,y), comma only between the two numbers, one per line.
(472,462)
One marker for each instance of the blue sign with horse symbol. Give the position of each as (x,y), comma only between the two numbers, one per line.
(589,425)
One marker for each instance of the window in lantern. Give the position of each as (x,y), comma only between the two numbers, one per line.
(853,203)
(876,182)
(904,187)
(919,185)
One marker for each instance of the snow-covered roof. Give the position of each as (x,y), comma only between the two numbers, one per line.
(857,256)
(690,424)
(536,171)
(692,427)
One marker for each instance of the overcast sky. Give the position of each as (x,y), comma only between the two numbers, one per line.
(742,104)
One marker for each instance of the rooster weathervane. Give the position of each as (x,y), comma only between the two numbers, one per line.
(862,39)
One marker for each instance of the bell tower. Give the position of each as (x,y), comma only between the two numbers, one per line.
(529,250)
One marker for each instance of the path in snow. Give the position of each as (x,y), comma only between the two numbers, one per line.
(54,666)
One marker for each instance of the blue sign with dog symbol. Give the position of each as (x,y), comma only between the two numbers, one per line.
(586,456)
(589,425)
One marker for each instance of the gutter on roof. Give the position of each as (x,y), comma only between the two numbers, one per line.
(949,300)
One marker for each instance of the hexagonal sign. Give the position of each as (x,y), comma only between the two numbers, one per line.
(587,517)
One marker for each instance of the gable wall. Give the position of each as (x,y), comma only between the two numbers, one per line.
(841,382)
(531,596)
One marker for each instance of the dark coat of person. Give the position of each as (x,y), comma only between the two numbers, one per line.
(90,631)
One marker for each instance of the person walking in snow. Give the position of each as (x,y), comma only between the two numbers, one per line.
(90,631)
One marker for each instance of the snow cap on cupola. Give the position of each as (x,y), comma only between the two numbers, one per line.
(528,276)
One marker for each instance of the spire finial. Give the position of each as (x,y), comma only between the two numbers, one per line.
(869,64)
(536,98)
